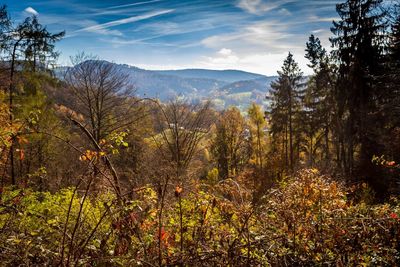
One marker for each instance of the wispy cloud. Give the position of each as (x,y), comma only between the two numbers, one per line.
(254,35)
(259,36)
(31,11)
(260,47)
(258,7)
(314,18)
(133,4)
(99,28)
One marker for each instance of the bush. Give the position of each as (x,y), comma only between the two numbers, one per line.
(306,220)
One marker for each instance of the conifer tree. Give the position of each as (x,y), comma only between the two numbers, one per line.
(392,79)
(285,102)
(359,44)
(317,101)
(359,47)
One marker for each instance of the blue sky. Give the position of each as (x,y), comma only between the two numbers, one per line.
(251,35)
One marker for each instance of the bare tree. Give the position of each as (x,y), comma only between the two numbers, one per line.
(181,126)
(104,95)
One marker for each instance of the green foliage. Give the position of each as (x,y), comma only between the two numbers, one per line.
(213,175)
(33,223)
(117,139)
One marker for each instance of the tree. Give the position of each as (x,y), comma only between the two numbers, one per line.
(18,44)
(105,100)
(284,110)
(391,79)
(181,127)
(359,44)
(256,116)
(317,101)
(40,50)
(103,95)
(230,146)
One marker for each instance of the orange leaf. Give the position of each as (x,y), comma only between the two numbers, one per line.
(178,191)
(21,154)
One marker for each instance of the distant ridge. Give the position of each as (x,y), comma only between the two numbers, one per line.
(222,75)
(224,88)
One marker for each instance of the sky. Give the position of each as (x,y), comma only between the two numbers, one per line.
(249,35)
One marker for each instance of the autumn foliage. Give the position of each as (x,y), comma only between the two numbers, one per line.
(305,220)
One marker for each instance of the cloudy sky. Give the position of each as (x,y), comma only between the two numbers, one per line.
(251,35)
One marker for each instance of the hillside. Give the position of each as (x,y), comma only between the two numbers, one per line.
(229,76)
(225,88)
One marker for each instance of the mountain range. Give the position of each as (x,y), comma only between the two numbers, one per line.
(223,87)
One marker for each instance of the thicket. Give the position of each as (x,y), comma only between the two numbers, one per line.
(305,220)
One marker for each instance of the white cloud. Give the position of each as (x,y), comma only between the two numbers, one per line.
(31,11)
(99,28)
(314,18)
(224,57)
(225,52)
(262,63)
(317,31)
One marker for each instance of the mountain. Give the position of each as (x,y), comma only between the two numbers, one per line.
(229,76)
(224,87)
(153,84)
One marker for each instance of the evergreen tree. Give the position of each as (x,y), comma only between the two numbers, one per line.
(285,102)
(317,102)
(392,79)
(359,46)
(39,46)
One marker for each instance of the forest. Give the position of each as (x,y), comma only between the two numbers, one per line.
(92,175)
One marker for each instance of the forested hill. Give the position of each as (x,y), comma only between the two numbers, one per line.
(225,87)
(222,75)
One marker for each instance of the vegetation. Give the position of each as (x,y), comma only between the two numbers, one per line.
(92,175)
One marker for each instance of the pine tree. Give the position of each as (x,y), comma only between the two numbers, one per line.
(317,101)
(39,45)
(285,97)
(359,44)
(392,77)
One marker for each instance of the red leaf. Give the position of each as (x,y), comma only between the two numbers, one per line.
(164,234)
